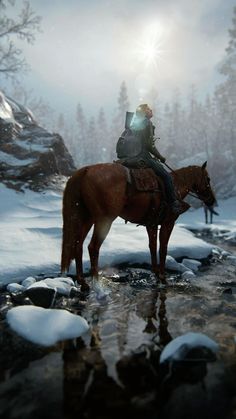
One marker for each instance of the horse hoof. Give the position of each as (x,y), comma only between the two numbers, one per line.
(85,287)
(162,278)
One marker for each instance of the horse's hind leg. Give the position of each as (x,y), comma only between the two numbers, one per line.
(82,233)
(101,229)
(152,235)
(165,232)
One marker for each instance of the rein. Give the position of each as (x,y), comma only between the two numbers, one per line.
(189,193)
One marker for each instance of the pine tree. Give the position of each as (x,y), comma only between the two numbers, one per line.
(226,93)
(118,121)
(123,107)
(80,137)
(103,139)
(91,148)
(61,124)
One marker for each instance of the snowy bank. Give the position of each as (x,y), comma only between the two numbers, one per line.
(30,227)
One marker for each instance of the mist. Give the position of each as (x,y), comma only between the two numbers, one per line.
(86,50)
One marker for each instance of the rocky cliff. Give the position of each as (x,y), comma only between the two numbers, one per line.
(30,156)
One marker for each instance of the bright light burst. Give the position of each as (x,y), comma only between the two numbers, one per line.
(149,51)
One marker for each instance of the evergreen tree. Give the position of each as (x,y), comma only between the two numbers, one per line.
(118,122)
(80,137)
(103,139)
(61,124)
(226,92)
(123,107)
(91,148)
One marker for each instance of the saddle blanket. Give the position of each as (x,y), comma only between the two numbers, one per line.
(145,180)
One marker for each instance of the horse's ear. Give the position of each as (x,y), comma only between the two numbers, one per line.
(204,165)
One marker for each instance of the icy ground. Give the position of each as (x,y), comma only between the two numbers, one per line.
(30,231)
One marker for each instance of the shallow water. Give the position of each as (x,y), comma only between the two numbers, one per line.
(137,316)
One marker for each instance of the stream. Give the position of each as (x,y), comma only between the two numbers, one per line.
(114,370)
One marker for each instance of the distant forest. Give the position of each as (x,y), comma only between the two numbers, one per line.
(189,134)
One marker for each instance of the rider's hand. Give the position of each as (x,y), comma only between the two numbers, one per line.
(163,159)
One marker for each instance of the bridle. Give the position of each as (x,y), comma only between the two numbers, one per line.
(190,191)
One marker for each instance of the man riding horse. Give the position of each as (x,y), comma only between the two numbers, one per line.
(136,148)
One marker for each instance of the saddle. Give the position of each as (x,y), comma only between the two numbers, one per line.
(145,180)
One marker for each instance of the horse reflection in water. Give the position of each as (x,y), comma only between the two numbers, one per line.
(89,390)
(96,195)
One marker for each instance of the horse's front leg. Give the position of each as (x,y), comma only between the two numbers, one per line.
(165,233)
(152,236)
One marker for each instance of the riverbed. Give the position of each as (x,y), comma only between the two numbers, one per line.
(114,370)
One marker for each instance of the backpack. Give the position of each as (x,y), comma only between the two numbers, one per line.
(129,144)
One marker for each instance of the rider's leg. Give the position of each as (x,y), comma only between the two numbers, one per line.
(177,206)
(167,179)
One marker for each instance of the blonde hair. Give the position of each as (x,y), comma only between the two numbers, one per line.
(142,109)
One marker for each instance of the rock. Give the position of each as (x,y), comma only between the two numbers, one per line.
(227,291)
(179,348)
(192,264)
(188,275)
(46,326)
(41,296)
(15,287)
(62,285)
(28,281)
(225,254)
(30,155)
(74,292)
(232,260)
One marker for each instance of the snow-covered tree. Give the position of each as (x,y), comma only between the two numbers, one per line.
(103,139)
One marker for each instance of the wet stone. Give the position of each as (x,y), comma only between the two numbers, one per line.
(227,291)
(40,296)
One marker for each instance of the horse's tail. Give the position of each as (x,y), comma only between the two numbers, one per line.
(71,219)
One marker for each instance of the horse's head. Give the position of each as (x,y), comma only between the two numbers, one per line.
(202,186)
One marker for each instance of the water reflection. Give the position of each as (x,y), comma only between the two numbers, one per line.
(93,388)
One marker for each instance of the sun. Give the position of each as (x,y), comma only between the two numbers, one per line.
(149,50)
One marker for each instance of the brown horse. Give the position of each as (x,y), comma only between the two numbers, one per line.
(96,195)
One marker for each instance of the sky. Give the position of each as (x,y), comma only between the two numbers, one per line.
(87,48)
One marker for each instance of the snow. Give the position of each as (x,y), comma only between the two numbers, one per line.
(30,244)
(30,146)
(179,347)
(30,231)
(13,161)
(46,326)
(5,110)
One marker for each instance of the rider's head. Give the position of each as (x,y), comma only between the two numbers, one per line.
(144,110)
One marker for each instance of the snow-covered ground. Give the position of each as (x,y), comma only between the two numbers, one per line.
(30,244)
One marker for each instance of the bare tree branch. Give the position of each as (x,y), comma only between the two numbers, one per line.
(24,27)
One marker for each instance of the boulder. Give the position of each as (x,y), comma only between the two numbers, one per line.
(30,156)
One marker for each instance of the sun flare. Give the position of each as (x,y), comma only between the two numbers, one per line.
(150,49)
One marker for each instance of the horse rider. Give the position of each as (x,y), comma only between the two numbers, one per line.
(144,150)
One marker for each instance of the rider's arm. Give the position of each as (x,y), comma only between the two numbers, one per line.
(150,144)
(154,151)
